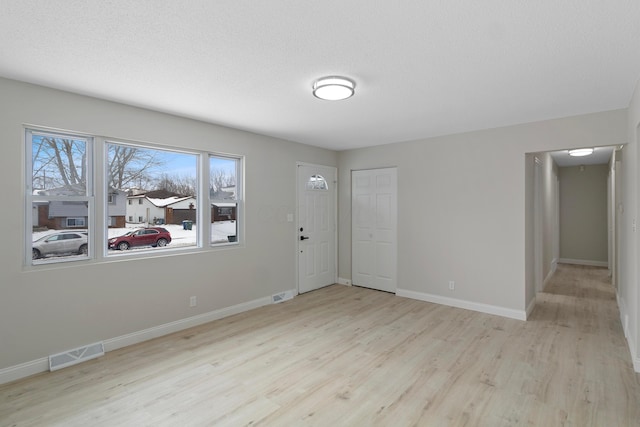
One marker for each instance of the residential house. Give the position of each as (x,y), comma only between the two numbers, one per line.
(221,209)
(144,209)
(57,215)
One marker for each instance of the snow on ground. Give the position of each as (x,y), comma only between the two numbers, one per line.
(179,236)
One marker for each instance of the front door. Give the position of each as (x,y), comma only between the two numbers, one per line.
(316,230)
(373,228)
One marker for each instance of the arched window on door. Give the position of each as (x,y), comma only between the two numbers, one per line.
(317,182)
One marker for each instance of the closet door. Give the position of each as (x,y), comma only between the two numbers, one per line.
(374,228)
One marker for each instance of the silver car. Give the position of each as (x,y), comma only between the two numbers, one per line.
(60,243)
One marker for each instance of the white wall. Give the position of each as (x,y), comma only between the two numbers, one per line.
(628,295)
(529,230)
(52,309)
(548,227)
(550,219)
(549,233)
(461,205)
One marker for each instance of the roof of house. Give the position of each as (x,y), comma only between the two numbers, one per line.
(161,203)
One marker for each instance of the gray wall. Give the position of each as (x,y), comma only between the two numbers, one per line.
(583,213)
(461,217)
(50,309)
(461,205)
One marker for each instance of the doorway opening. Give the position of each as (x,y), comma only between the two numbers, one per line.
(572,213)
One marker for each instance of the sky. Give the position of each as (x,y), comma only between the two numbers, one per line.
(183,165)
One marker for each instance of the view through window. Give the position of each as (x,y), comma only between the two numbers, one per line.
(224,197)
(164,186)
(150,197)
(60,196)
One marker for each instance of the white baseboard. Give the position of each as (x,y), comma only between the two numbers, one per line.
(37,366)
(632,348)
(531,306)
(622,309)
(624,319)
(179,325)
(554,267)
(345,282)
(584,262)
(468,305)
(23,370)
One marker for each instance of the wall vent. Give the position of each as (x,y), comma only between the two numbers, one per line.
(75,356)
(282,296)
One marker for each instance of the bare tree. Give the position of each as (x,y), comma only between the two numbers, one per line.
(63,159)
(220,179)
(61,162)
(182,185)
(130,166)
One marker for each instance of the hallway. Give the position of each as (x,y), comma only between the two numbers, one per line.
(594,369)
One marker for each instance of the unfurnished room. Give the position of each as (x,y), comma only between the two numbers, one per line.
(336,213)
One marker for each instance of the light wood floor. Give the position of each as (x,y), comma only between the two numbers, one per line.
(347,356)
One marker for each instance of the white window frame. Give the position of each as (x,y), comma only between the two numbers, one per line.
(31,198)
(141,219)
(97,198)
(238,199)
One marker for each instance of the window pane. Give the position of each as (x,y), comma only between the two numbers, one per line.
(59,231)
(158,190)
(58,165)
(60,197)
(223,193)
(317,182)
(222,178)
(224,227)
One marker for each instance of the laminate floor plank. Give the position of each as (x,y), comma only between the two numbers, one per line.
(349,356)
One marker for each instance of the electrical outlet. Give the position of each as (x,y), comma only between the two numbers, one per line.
(193,302)
(452,285)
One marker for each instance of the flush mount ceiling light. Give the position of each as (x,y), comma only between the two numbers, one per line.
(334,88)
(581,152)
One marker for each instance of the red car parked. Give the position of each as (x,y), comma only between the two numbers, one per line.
(152,236)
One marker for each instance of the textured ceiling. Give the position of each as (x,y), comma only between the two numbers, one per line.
(423,67)
(601,155)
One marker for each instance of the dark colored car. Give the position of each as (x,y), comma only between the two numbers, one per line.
(60,243)
(151,236)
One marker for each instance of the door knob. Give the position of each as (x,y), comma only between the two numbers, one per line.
(303,237)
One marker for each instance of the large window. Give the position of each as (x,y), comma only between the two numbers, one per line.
(60,194)
(165,184)
(150,199)
(224,195)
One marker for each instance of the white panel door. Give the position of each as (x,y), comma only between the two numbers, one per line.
(374,228)
(316,227)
